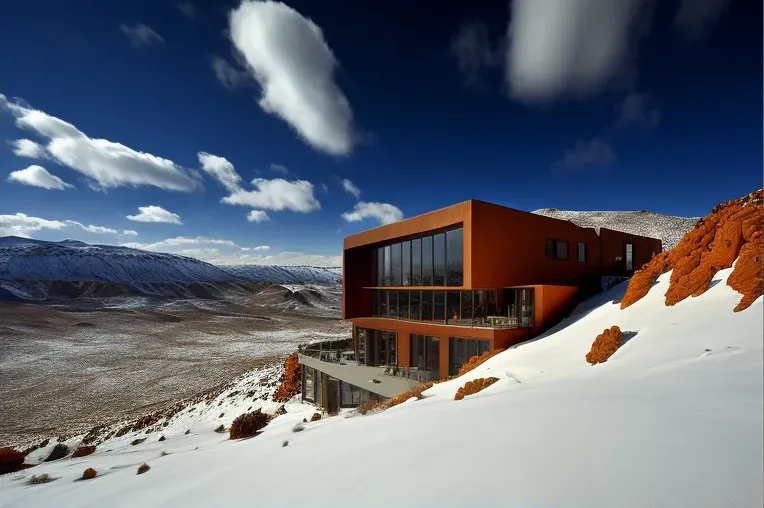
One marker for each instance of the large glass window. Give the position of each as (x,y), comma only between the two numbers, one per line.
(380,279)
(466,304)
(455,257)
(557,249)
(308,384)
(453,301)
(427,261)
(406,262)
(426,305)
(414,301)
(440,305)
(425,354)
(392,305)
(461,350)
(388,270)
(396,265)
(383,304)
(403,304)
(439,260)
(416,262)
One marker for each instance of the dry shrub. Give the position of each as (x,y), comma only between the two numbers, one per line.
(291,384)
(11,460)
(604,345)
(59,452)
(136,442)
(416,393)
(732,230)
(89,474)
(474,386)
(143,468)
(39,479)
(220,429)
(315,417)
(248,424)
(84,451)
(477,360)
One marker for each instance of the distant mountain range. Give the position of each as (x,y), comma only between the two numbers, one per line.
(668,228)
(35,269)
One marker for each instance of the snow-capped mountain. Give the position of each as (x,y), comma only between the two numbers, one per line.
(287,274)
(670,229)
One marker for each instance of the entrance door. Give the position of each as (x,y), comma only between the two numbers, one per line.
(333,396)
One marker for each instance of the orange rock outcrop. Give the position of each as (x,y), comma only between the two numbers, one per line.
(732,231)
(604,345)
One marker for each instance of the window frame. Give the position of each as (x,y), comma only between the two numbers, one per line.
(582,259)
(553,249)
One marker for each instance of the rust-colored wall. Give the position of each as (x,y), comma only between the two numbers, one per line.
(613,247)
(551,304)
(506,338)
(509,249)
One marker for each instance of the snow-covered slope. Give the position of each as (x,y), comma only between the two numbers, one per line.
(668,228)
(287,274)
(673,419)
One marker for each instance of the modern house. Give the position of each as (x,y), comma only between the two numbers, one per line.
(427,293)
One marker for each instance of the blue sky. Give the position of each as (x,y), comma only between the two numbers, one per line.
(169,125)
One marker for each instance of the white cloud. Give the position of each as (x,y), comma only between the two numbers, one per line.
(187,8)
(570,47)
(38,176)
(350,188)
(227,252)
(695,17)
(257,216)
(141,35)
(288,56)
(221,169)
(277,194)
(106,163)
(229,76)
(474,52)
(27,148)
(383,212)
(637,109)
(596,152)
(155,214)
(23,225)
(278,168)
(129,232)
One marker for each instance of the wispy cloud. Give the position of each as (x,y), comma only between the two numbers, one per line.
(595,152)
(154,213)
(107,164)
(385,213)
(188,9)
(350,188)
(129,232)
(27,148)
(25,226)
(141,35)
(696,17)
(290,59)
(257,216)
(229,76)
(278,168)
(638,109)
(221,169)
(38,176)
(474,52)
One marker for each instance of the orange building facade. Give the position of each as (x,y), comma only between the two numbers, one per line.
(427,293)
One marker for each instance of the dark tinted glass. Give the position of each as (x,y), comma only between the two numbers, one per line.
(455,257)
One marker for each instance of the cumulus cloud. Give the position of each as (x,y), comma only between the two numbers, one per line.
(229,76)
(38,176)
(562,48)
(277,194)
(596,152)
(385,213)
(257,216)
(28,148)
(23,225)
(129,232)
(105,163)
(141,35)
(155,214)
(474,52)
(350,188)
(637,109)
(695,17)
(221,169)
(290,59)
(188,9)
(227,252)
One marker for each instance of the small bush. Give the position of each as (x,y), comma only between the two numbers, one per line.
(248,424)
(474,386)
(11,460)
(89,474)
(59,452)
(604,345)
(315,417)
(415,393)
(285,443)
(143,468)
(40,479)
(291,384)
(137,441)
(220,429)
(477,360)
(84,451)
(161,438)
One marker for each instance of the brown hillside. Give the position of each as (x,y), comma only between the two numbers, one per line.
(732,230)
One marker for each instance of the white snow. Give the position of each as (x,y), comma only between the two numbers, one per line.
(287,274)
(674,418)
(669,228)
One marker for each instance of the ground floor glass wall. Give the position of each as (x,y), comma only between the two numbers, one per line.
(376,347)
(425,354)
(461,350)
